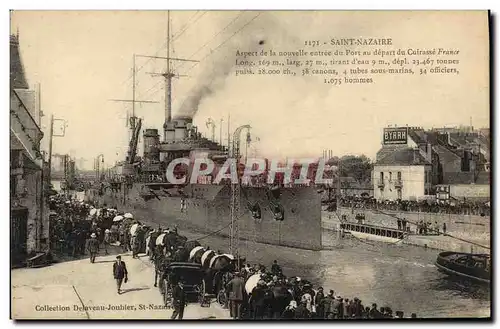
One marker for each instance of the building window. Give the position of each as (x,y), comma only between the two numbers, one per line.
(400,195)
(381,176)
(399,175)
(390,176)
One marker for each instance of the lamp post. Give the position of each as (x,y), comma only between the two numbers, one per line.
(98,178)
(51,135)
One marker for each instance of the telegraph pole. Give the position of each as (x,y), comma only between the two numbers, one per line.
(234,237)
(51,133)
(228,133)
(220,136)
(338,184)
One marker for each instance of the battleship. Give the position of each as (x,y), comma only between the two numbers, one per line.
(278,214)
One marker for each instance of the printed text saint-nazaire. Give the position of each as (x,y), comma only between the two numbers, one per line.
(361,42)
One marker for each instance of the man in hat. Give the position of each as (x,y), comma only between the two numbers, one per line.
(152,242)
(236,290)
(93,247)
(318,302)
(275,268)
(257,300)
(374,312)
(120,273)
(328,304)
(107,240)
(179,300)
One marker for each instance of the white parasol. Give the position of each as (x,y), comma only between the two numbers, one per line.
(133,229)
(128,215)
(159,239)
(117,218)
(194,251)
(252,282)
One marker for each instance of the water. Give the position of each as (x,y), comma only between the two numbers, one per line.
(400,276)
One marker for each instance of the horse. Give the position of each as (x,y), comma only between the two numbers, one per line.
(220,267)
(160,261)
(196,253)
(226,262)
(181,255)
(160,243)
(151,243)
(191,244)
(172,240)
(206,257)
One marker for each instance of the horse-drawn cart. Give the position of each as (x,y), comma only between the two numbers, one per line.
(192,277)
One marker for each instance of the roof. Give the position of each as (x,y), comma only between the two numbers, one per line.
(28,98)
(403,157)
(17,75)
(418,136)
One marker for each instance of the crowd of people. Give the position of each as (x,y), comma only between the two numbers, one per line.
(276,296)
(464,207)
(77,228)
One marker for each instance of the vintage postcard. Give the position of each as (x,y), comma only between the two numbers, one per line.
(250,165)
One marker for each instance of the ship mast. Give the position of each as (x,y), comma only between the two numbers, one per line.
(168,84)
(132,121)
(168,75)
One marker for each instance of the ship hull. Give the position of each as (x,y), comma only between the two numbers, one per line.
(207,210)
(449,262)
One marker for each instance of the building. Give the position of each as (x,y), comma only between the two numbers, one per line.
(413,161)
(29,218)
(404,174)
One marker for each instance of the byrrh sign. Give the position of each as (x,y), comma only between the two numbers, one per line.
(395,135)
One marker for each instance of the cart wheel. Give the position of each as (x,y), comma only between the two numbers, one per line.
(161,286)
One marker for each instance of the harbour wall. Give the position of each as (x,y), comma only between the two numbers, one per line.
(462,226)
(469,228)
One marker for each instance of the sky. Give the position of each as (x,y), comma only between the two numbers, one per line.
(83,59)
